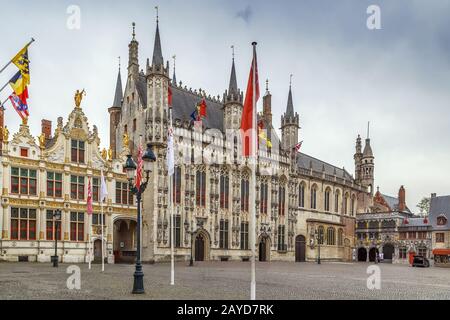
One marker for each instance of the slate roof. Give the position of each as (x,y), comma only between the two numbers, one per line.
(393,203)
(305,161)
(439,206)
(118,96)
(185,102)
(290,105)
(415,222)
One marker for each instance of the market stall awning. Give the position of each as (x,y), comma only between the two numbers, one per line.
(441,252)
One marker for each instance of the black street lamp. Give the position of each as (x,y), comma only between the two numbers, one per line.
(56,217)
(130,167)
(319,238)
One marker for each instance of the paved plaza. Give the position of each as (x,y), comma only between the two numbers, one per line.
(225,280)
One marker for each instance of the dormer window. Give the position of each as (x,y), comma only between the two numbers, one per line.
(441,220)
(77,152)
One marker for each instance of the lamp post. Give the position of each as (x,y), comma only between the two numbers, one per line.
(130,168)
(56,217)
(319,239)
(186,227)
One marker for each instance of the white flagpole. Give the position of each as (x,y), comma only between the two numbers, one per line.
(103,251)
(172,240)
(253,184)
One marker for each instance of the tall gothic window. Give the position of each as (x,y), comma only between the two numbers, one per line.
(331,236)
(346,204)
(224,191)
(301,195)
(321,232)
(23,224)
(327,199)
(264,194)
(223,234)
(314,197)
(245,189)
(177,185)
(281,200)
(353,205)
(281,238)
(77,153)
(177,230)
(340,237)
(244,235)
(200,188)
(336,201)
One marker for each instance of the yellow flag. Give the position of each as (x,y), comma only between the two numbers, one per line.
(22,62)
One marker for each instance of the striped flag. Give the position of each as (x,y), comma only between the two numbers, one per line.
(170,153)
(140,164)
(298,146)
(89,198)
(18,105)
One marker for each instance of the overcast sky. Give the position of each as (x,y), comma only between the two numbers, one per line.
(344,74)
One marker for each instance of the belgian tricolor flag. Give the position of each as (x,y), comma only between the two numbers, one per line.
(19,86)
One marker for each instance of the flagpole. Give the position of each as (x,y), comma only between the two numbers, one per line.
(253,183)
(90,240)
(103,251)
(10,61)
(172,245)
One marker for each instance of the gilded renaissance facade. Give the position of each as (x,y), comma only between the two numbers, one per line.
(40,175)
(302,202)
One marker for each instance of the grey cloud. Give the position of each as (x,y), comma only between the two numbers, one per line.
(245,14)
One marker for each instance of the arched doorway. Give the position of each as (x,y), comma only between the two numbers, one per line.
(362,254)
(124,240)
(264,248)
(388,252)
(200,247)
(300,248)
(373,254)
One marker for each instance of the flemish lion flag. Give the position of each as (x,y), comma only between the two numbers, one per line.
(23,63)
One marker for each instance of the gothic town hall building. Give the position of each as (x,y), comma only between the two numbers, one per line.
(302,203)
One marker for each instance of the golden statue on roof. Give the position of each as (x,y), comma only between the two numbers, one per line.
(79,97)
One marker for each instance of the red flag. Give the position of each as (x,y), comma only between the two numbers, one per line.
(169,97)
(298,146)
(202,109)
(19,106)
(89,197)
(140,164)
(249,112)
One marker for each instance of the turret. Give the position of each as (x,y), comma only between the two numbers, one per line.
(289,124)
(267,105)
(358,156)
(367,165)
(114,114)
(133,59)
(232,99)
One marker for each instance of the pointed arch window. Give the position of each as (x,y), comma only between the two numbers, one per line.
(352,205)
(327,199)
(281,200)
(245,189)
(301,195)
(340,237)
(200,188)
(331,236)
(346,204)
(177,185)
(264,194)
(321,232)
(314,197)
(224,191)
(336,201)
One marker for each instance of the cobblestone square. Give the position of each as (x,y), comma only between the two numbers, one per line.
(225,280)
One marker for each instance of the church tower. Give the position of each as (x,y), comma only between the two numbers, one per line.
(232,100)
(114,115)
(367,165)
(133,58)
(289,124)
(157,94)
(267,106)
(358,156)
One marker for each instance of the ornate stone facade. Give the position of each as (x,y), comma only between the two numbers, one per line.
(297,194)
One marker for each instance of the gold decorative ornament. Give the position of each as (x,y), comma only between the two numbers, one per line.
(5,134)
(110,154)
(126,140)
(79,97)
(104,154)
(42,140)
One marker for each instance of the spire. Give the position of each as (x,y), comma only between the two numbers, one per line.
(290,105)
(232,88)
(367,148)
(133,60)
(157,51)
(174,78)
(118,96)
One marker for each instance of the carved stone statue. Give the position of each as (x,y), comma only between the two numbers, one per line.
(79,97)
(104,154)
(126,140)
